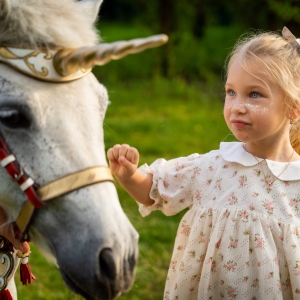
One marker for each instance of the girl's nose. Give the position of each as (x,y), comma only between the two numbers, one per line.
(238,106)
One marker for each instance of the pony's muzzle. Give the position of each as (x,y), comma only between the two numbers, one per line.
(109,273)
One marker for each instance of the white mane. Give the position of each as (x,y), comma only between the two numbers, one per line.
(26,22)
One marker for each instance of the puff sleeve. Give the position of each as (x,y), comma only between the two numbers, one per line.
(173,184)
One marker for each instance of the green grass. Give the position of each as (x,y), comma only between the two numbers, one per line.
(162,119)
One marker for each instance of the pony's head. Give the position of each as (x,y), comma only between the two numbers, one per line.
(56,129)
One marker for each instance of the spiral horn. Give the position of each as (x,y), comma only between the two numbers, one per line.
(69,61)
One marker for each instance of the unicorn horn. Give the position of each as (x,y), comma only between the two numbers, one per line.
(68,61)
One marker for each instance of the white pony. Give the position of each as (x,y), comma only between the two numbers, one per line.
(52,122)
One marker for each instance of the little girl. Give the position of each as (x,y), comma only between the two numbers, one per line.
(240,238)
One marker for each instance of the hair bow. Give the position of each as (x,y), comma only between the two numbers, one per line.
(286,34)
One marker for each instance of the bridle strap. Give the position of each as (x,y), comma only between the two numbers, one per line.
(61,187)
(74,181)
(37,196)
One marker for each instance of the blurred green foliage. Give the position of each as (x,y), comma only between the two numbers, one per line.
(196,15)
(191,59)
(201,33)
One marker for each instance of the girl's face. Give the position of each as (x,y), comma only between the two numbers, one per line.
(254,108)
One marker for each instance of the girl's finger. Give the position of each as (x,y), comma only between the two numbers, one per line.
(123,150)
(129,168)
(115,151)
(133,155)
(110,155)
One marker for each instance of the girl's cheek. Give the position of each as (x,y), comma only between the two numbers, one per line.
(258,109)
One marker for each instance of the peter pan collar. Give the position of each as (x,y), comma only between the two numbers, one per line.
(235,152)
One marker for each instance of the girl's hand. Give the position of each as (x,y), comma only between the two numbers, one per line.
(123,160)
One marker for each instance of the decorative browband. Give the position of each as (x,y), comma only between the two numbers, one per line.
(38,63)
(63,65)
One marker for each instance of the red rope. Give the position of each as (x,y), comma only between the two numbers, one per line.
(25,274)
(5,295)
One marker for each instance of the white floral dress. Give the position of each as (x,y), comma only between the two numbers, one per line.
(237,240)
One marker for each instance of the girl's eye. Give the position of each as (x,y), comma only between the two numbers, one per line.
(254,95)
(231,93)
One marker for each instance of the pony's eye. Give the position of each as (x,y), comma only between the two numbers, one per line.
(14,118)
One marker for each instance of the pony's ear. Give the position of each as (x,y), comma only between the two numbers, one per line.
(4,9)
(90,8)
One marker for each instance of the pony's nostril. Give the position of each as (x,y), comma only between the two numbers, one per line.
(131,262)
(107,264)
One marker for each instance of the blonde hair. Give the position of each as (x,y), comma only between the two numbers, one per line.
(270,55)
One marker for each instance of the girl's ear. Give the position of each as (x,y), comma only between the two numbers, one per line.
(294,112)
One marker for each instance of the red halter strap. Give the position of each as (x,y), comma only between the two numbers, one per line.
(26,184)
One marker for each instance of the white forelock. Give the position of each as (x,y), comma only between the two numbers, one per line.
(28,23)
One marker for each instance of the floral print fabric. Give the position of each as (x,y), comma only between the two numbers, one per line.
(236,241)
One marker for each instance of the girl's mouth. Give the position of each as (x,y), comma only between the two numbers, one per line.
(239,123)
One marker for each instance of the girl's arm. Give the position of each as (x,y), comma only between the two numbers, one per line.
(123,161)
